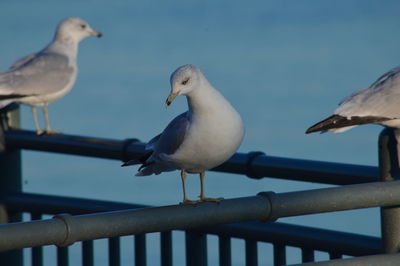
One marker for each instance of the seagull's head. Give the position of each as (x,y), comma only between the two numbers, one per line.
(183,81)
(75,29)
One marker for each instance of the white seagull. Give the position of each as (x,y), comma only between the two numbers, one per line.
(378,104)
(41,78)
(197,140)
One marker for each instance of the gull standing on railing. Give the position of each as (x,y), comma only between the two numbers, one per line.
(41,78)
(201,138)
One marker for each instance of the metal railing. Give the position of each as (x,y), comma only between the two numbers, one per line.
(234,218)
(280,235)
(65,229)
(253,164)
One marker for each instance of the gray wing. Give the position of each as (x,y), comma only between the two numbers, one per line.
(151,145)
(167,142)
(172,136)
(381,99)
(35,75)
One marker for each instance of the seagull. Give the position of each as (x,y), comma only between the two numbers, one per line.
(378,104)
(43,77)
(203,137)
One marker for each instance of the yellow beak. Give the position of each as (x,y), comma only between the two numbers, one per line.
(170,98)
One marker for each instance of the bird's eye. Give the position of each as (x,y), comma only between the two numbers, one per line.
(83,26)
(185,81)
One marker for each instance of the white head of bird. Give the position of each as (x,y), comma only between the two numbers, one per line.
(74,30)
(184,81)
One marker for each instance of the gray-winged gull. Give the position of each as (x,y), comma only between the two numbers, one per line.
(41,78)
(197,140)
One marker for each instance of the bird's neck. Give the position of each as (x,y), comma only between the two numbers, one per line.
(201,100)
(64,45)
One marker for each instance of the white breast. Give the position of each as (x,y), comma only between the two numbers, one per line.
(210,140)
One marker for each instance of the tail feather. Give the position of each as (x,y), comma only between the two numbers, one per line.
(154,168)
(12,96)
(338,121)
(131,162)
(140,160)
(6,99)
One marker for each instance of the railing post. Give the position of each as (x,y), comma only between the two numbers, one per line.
(389,171)
(196,248)
(10,178)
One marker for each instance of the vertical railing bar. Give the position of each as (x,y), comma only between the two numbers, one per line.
(140,250)
(114,251)
(166,248)
(307,255)
(279,254)
(334,255)
(11,178)
(37,252)
(62,256)
(87,253)
(225,257)
(251,253)
(389,171)
(196,248)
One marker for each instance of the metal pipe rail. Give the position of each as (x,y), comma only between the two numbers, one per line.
(382,260)
(252,164)
(48,204)
(278,233)
(65,229)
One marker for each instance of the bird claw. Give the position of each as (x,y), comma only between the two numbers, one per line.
(48,132)
(204,199)
(190,202)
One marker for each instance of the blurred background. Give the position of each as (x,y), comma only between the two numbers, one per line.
(284,65)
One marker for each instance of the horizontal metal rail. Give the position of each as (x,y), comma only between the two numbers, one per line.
(47,204)
(278,233)
(65,229)
(252,164)
(382,260)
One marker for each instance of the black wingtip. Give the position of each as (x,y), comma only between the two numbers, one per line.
(309,130)
(337,121)
(13,96)
(325,124)
(130,162)
(140,160)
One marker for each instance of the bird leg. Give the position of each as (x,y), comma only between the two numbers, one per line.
(35,119)
(48,129)
(185,199)
(202,195)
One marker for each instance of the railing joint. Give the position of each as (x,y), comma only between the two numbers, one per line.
(125,146)
(269,195)
(251,156)
(66,219)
